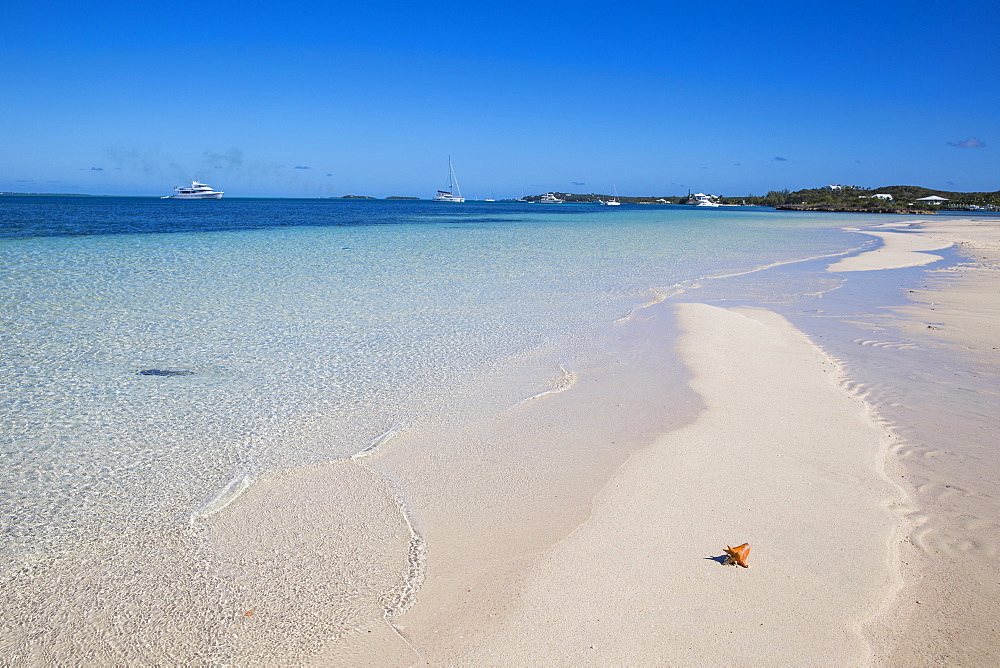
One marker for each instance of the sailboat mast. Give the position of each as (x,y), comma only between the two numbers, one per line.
(452,179)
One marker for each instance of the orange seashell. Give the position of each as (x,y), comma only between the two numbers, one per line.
(738,555)
(248,613)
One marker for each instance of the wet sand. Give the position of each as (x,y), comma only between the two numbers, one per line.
(783,457)
(872,530)
(948,611)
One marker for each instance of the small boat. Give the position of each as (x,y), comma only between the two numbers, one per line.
(490,198)
(611,202)
(701,199)
(196,191)
(550,198)
(453,193)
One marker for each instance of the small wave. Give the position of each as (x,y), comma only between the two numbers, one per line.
(416,566)
(658,297)
(374,446)
(784,262)
(560,384)
(416,562)
(229,493)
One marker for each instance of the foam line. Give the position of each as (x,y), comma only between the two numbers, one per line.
(374,446)
(561,384)
(229,493)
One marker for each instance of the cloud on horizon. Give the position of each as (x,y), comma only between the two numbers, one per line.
(778,158)
(578,183)
(148,162)
(231,159)
(97,169)
(971,142)
(302,167)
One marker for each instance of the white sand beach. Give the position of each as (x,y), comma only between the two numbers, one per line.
(783,457)
(871,544)
(898,250)
(948,611)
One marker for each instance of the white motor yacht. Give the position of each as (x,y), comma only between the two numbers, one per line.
(550,198)
(701,199)
(196,191)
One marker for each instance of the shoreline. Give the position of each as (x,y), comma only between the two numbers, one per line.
(808,494)
(852,579)
(947,412)
(838,412)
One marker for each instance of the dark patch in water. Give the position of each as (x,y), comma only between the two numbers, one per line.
(164,372)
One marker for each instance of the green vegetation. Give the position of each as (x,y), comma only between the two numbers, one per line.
(857,198)
(846,198)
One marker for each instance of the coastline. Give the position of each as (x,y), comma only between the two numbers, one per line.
(836,411)
(947,414)
(868,547)
(784,457)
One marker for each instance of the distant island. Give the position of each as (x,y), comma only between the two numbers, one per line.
(357,197)
(5,194)
(886,199)
(398,197)
(834,198)
(855,208)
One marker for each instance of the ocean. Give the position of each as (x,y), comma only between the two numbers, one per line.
(191,387)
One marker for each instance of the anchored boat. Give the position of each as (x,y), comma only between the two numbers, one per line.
(196,191)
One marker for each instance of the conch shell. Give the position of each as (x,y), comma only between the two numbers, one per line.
(738,555)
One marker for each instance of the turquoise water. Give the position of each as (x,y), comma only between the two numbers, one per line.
(302,332)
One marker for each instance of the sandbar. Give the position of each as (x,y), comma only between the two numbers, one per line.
(948,410)
(584,521)
(898,250)
(784,457)
(870,512)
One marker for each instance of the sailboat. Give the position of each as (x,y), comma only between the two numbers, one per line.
(453,193)
(611,202)
(490,198)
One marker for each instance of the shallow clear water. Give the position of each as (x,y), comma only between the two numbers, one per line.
(305,331)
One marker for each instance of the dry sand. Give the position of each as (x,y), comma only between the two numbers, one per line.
(868,548)
(898,250)
(783,457)
(949,611)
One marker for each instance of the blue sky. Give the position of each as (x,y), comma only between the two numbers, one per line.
(327,98)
